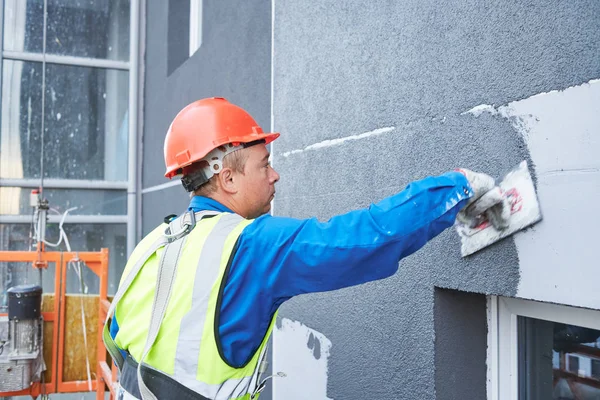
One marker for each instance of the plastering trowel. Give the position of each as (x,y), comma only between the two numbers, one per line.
(519,191)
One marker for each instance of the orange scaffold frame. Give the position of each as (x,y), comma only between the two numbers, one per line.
(105,375)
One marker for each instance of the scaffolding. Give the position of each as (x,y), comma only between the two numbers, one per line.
(55,316)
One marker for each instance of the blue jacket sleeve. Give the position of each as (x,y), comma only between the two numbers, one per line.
(310,256)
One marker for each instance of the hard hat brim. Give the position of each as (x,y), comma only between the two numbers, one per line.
(247,138)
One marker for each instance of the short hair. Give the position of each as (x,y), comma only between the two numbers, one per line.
(236,161)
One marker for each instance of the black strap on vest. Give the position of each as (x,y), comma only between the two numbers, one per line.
(161,385)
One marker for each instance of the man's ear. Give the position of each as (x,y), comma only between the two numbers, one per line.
(227,180)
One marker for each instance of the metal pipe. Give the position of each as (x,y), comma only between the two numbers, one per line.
(71,219)
(140,102)
(43,119)
(134,38)
(1,47)
(64,184)
(66,60)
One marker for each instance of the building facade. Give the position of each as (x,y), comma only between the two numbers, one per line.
(368,96)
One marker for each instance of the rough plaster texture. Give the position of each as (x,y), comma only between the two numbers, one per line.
(345,68)
(234,62)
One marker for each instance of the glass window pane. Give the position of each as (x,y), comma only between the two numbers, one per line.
(82,237)
(84,28)
(85,124)
(16,201)
(558,361)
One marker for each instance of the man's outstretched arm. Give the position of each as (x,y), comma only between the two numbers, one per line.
(302,256)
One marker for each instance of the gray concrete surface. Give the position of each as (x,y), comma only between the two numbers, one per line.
(460,345)
(351,67)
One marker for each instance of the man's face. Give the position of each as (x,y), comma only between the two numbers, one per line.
(256,186)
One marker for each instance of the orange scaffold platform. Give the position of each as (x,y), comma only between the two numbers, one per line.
(104,377)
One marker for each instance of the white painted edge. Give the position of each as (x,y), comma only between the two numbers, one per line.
(584,317)
(272,92)
(196,9)
(492,348)
(162,186)
(513,358)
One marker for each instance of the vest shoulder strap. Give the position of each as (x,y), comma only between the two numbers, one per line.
(174,231)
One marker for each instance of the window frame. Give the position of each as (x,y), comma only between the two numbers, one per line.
(503,343)
(131,185)
(196,19)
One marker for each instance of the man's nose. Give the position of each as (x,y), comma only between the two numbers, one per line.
(275,176)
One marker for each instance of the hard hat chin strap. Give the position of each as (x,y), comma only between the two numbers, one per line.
(212,164)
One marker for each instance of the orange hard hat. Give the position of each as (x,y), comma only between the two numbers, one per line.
(205,125)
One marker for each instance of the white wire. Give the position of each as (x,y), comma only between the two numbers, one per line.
(62,235)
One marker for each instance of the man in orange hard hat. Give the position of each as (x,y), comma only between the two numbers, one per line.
(199,295)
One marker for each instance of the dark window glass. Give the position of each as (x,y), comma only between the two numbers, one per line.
(558,361)
(83,28)
(85,123)
(596,369)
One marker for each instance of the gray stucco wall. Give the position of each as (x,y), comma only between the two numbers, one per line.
(234,62)
(349,67)
(460,345)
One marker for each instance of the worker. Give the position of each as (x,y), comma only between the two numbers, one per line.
(199,295)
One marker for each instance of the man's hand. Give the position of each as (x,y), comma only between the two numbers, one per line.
(488,201)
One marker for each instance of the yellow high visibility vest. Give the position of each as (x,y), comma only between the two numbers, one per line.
(186,348)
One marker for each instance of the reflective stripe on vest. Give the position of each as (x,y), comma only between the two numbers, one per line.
(186,348)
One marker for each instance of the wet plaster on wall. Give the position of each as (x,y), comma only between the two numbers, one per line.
(347,68)
(558,257)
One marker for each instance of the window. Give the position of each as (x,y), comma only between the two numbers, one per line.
(68,94)
(540,351)
(184,31)
(85,122)
(196,7)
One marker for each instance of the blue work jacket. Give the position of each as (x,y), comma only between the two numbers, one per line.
(277,258)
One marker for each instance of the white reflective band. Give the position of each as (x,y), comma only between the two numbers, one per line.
(192,324)
(230,389)
(207,272)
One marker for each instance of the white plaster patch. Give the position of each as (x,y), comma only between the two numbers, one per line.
(480,109)
(559,256)
(302,354)
(339,141)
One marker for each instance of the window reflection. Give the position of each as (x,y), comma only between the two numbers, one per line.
(558,361)
(86,122)
(83,28)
